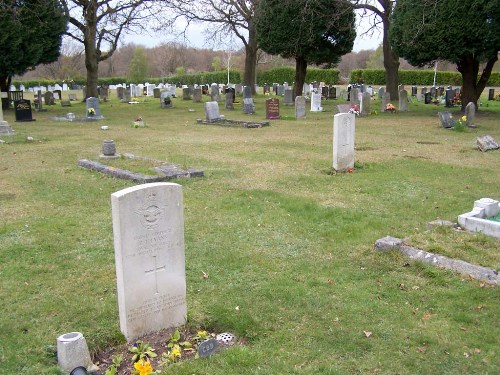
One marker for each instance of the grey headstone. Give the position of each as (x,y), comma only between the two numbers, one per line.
(354,97)
(165,99)
(186,94)
(365,104)
(470,113)
(229,100)
(248,106)
(403,101)
(212,111)
(156,93)
(381,92)
(247,92)
(446,119)
(197,95)
(288,100)
(386,99)
(300,107)
(93,103)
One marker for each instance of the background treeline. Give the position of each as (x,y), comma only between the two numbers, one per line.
(286,74)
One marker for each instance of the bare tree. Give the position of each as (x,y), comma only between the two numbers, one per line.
(226,16)
(99,24)
(379,14)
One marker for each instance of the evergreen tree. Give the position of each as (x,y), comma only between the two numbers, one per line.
(32,35)
(466,33)
(311,31)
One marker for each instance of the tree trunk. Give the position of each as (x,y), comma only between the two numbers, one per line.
(300,75)
(92,53)
(391,65)
(91,65)
(250,73)
(472,87)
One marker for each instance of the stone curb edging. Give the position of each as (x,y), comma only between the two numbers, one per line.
(487,275)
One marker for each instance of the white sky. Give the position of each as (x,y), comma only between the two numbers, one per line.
(197,39)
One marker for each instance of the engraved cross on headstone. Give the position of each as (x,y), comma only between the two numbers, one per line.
(155,270)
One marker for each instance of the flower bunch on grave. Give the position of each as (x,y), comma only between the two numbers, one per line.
(460,124)
(390,108)
(143,367)
(90,112)
(497,96)
(354,109)
(139,122)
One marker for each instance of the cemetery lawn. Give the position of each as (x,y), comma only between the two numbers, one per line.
(279,250)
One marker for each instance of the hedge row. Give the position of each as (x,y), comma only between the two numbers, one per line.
(415,77)
(287,74)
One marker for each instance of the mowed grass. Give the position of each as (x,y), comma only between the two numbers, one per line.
(281,238)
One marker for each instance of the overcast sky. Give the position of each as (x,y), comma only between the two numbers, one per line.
(197,39)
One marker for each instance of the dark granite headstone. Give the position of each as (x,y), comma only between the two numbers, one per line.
(446,119)
(491,94)
(22,109)
(428,98)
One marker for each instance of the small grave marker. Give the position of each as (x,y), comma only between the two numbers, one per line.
(446,119)
(207,348)
(300,107)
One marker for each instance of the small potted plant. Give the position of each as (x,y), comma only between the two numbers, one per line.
(354,109)
(390,108)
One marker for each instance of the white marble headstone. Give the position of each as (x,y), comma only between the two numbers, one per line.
(316,103)
(343,141)
(148,228)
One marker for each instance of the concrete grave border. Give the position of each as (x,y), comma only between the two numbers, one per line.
(487,275)
(165,172)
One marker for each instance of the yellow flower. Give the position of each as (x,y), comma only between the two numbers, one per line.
(143,367)
(202,333)
(464,118)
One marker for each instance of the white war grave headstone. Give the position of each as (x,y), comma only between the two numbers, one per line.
(148,229)
(5,128)
(343,141)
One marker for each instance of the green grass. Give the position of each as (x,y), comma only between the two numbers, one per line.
(279,235)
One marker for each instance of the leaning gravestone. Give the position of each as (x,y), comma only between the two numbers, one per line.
(446,119)
(272,109)
(403,101)
(148,230)
(212,111)
(365,104)
(486,143)
(343,141)
(470,114)
(23,111)
(300,107)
